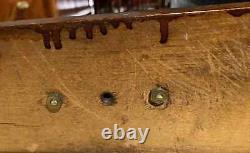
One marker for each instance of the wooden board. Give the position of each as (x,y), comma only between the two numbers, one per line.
(205,63)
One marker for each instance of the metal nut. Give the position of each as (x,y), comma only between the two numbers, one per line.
(54,101)
(159,96)
(22,5)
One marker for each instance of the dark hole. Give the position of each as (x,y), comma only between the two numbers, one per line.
(108,98)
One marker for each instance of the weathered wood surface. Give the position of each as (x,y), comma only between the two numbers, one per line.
(205,63)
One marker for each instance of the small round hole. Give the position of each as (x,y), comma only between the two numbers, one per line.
(108,98)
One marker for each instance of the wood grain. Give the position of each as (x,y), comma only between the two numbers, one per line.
(205,64)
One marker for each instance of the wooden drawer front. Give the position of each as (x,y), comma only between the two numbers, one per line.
(205,65)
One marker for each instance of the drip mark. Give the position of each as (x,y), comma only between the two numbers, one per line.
(56,37)
(129,24)
(115,24)
(54,34)
(46,39)
(89,31)
(103,29)
(72,33)
(238,13)
(164,30)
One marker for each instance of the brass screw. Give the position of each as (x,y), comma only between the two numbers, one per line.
(22,5)
(159,96)
(54,101)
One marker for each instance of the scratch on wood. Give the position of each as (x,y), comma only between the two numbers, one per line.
(18,125)
(187,82)
(220,65)
(140,64)
(68,92)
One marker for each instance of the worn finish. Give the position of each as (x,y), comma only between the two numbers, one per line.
(205,63)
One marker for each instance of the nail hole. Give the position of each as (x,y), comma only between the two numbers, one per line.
(108,98)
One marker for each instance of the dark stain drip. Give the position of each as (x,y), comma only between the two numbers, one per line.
(72,33)
(46,39)
(56,38)
(89,31)
(238,13)
(129,24)
(115,24)
(54,34)
(164,30)
(49,34)
(103,29)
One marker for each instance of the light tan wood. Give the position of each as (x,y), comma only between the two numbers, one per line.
(206,64)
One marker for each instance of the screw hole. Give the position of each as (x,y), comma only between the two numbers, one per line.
(108,98)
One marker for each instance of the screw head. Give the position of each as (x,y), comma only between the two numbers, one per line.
(54,102)
(22,5)
(159,96)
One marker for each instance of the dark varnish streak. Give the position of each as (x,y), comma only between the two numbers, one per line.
(48,34)
(72,33)
(115,24)
(238,13)
(54,33)
(164,30)
(46,39)
(56,38)
(103,29)
(88,28)
(129,24)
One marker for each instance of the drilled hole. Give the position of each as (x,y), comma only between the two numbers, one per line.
(108,98)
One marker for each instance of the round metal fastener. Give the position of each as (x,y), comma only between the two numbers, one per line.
(158,96)
(22,5)
(54,102)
